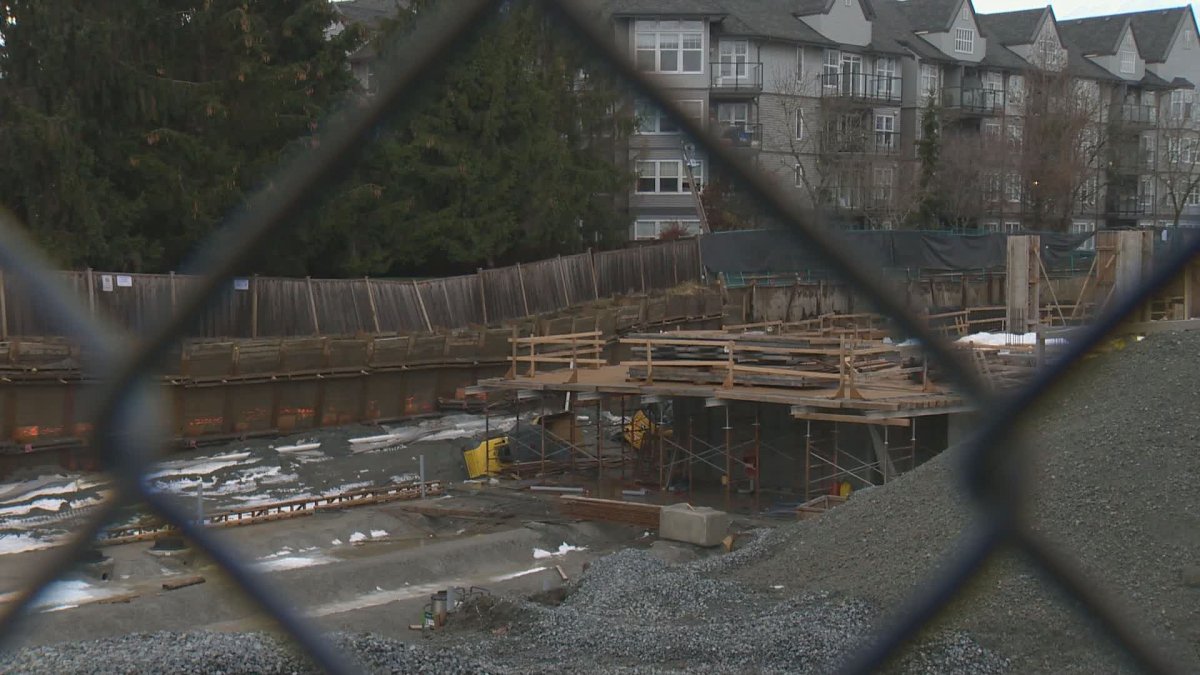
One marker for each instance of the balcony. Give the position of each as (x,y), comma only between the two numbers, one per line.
(1128,206)
(861,143)
(861,87)
(747,135)
(1140,116)
(973,100)
(732,80)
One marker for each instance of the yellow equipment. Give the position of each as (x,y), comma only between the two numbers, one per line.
(485,458)
(640,428)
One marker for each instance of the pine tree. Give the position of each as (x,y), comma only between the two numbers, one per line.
(141,123)
(929,155)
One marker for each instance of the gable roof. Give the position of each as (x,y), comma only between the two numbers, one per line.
(663,7)
(1155,30)
(810,7)
(1013,28)
(932,16)
(999,56)
(1095,35)
(891,30)
(770,19)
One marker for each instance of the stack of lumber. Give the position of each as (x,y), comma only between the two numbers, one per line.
(803,361)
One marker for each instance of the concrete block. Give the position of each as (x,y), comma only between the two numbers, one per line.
(697,525)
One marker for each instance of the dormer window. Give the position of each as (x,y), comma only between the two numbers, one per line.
(1189,39)
(1128,61)
(964,40)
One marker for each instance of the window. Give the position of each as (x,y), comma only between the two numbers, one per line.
(1146,192)
(735,123)
(991,129)
(734,57)
(884,180)
(1084,227)
(1193,197)
(667,176)
(1087,192)
(992,186)
(885,132)
(1048,52)
(1016,133)
(851,80)
(653,229)
(964,40)
(799,125)
(651,120)
(1012,187)
(966,12)
(1016,89)
(1173,150)
(1128,61)
(930,80)
(670,46)
(799,64)
(1181,104)
(830,68)
(887,85)
(1011,226)
(799,175)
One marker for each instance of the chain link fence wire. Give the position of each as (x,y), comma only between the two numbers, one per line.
(127,412)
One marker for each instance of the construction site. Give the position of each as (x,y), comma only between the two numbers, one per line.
(737,481)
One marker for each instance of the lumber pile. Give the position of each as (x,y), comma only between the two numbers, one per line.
(610,510)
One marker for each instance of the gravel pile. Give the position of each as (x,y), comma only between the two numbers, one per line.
(224,653)
(631,612)
(1114,484)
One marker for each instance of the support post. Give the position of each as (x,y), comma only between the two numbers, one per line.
(422,459)
(757,457)
(312,306)
(728,459)
(91,286)
(662,483)
(3,308)
(171,281)
(691,460)
(373,306)
(421,303)
(807,460)
(524,297)
(595,277)
(599,450)
(482,295)
(487,436)
(253,306)
(622,435)
(542,424)
(562,279)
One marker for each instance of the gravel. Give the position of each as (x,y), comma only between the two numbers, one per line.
(225,653)
(1116,463)
(632,612)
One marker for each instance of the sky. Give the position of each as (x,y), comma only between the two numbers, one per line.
(1074,9)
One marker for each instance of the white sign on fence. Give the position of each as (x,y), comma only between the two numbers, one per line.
(124,280)
(241,284)
(106,283)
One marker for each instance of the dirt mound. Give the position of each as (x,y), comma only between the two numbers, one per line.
(1117,463)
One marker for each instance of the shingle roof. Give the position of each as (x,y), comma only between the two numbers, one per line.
(770,19)
(929,15)
(1154,30)
(369,13)
(1012,28)
(1095,35)
(653,7)
(1081,66)
(999,56)
(890,30)
(808,7)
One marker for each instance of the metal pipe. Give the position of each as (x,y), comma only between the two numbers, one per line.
(728,459)
(422,476)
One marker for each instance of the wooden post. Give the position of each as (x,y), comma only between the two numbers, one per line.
(374,307)
(691,458)
(807,458)
(524,298)
(562,278)
(91,284)
(3,308)
(642,269)
(728,458)
(595,277)
(674,264)
(482,294)
(253,305)
(421,302)
(312,306)
(599,449)
(171,279)
(1022,307)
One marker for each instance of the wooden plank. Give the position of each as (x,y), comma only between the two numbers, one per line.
(549,339)
(176,584)
(851,419)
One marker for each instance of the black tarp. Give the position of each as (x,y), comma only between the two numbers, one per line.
(784,252)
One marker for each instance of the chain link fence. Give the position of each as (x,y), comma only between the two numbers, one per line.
(125,405)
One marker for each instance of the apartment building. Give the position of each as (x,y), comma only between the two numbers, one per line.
(831,97)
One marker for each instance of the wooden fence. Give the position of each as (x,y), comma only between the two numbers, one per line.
(275,307)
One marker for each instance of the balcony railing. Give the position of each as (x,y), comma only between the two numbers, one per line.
(740,134)
(975,100)
(861,87)
(736,77)
(862,142)
(1137,115)
(1129,206)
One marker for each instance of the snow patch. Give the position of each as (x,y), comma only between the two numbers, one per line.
(563,549)
(70,593)
(377,534)
(1006,339)
(357,537)
(19,543)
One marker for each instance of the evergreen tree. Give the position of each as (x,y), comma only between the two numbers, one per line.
(929,155)
(511,158)
(139,124)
